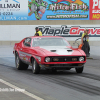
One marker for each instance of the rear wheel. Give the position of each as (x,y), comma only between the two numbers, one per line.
(68,68)
(54,70)
(35,67)
(19,64)
(79,70)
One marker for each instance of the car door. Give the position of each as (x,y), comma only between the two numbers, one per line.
(25,50)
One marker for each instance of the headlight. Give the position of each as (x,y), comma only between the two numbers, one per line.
(81,59)
(39,58)
(47,59)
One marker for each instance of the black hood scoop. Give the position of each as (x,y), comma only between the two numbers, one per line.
(53,50)
(69,50)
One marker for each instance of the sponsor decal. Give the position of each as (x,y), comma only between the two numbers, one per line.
(73,31)
(24,58)
(94,9)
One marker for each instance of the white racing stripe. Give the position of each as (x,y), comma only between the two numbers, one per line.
(60,50)
(24,92)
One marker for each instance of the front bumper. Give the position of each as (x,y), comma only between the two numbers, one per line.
(61,66)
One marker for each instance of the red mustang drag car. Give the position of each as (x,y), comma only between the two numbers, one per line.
(48,52)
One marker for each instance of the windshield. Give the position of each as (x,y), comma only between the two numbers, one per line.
(49,42)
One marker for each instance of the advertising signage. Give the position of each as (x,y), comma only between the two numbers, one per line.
(70,30)
(44,9)
(94,9)
(49,10)
(13,9)
(58,10)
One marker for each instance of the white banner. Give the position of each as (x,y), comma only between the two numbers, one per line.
(71,32)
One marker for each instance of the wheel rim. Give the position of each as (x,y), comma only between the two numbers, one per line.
(17,61)
(34,66)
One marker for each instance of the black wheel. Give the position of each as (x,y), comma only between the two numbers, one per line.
(35,67)
(19,64)
(68,68)
(54,70)
(79,70)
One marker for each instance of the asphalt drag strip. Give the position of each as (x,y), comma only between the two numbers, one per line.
(77,85)
(85,84)
(68,82)
(12,92)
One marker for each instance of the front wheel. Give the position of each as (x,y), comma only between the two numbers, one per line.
(54,70)
(79,70)
(35,67)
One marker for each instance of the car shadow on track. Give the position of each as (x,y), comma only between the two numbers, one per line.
(49,72)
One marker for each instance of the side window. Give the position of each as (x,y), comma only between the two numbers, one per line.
(27,42)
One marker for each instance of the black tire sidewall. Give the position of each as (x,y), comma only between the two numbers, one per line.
(79,70)
(37,68)
(16,55)
(21,66)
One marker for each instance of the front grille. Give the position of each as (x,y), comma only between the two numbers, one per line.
(65,59)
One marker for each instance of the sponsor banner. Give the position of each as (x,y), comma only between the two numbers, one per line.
(13,10)
(58,10)
(44,9)
(94,9)
(70,32)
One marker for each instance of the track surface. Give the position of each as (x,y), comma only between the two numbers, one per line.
(63,85)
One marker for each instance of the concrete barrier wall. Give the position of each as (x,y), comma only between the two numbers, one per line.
(52,22)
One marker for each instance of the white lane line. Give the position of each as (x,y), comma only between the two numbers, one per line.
(24,92)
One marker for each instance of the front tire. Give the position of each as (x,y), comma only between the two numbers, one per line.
(35,67)
(19,64)
(79,70)
(54,70)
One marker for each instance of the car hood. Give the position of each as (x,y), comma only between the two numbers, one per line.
(59,50)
